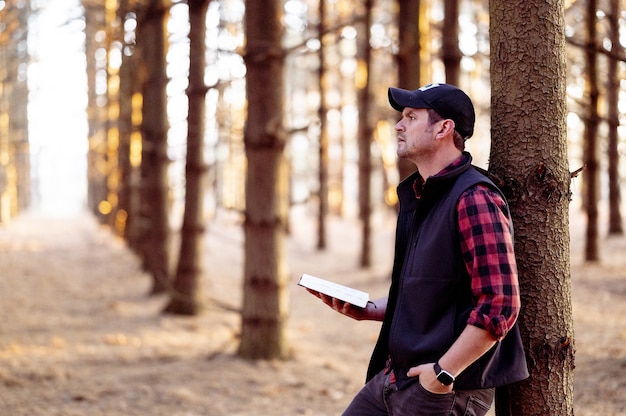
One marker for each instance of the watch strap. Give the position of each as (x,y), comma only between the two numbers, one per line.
(437,368)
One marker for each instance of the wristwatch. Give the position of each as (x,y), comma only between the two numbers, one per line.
(443,376)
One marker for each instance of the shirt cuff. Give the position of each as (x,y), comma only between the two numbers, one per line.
(496,325)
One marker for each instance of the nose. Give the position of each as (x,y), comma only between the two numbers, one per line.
(399,125)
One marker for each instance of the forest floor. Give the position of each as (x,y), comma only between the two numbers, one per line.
(80,336)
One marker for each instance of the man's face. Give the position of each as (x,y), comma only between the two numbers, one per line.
(416,136)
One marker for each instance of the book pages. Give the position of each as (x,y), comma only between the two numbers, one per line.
(335,290)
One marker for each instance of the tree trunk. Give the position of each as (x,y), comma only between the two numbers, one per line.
(18,120)
(5,185)
(450,51)
(323,144)
(365,134)
(590,139)
(612,98)
(96,185)
(155,232)
(529,154)
(185,296)
(128,192)
(264,313)
(408,57)
(15,169)
(109,207)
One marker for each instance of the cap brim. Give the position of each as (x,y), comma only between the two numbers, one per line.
(400,99)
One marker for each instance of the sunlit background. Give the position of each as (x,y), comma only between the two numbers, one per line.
(57,80)
(57,108)
(58,129)
(58,97)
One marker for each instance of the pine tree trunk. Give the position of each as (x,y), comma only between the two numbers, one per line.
(15,172)
(323,145)
(612,98)
(109,207)
(264,313)
(450,51)
(185,296)
(96,186)
(128,192)
(590,153)
(155,234)
(529,154)
(409,62)
(18,120)
(365,134)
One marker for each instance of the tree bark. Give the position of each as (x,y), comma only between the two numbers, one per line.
(612,98)
(155,231)
(529,155)
(96,184)
(185,297)
(128,172)
(450,51)
(264,313)
(18,121)
(408,58)
(109,206)
(590,139)
(365,133)
(323,142)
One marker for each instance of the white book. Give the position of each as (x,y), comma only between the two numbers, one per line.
(335,290)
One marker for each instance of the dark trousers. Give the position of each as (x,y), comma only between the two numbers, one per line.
(379,397)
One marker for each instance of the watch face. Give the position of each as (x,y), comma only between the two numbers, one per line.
(445,378)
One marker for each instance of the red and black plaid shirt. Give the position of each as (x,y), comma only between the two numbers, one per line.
(487,247)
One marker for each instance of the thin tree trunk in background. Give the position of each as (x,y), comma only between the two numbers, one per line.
(96,186)
(612,98)
(450,51)
(128,192)
(408,58)
(590,139)
(265,295)
(18,121)
(124,126)
(323,141)
(365,133)
(109,206)
(185,296)
(5,188)
(155,232)
(529,154)
(15,172)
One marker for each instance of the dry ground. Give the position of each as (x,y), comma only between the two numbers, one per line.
(79,336)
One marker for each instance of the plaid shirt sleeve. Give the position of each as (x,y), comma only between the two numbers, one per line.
(487,246)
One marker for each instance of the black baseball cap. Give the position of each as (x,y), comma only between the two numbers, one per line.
(447,100)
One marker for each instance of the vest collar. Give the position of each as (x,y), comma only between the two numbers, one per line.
(442,180)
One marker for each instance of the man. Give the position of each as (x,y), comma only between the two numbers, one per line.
(448,336)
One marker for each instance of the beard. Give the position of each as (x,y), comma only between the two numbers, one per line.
(402,149)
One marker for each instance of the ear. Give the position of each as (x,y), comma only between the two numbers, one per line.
(447,128)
